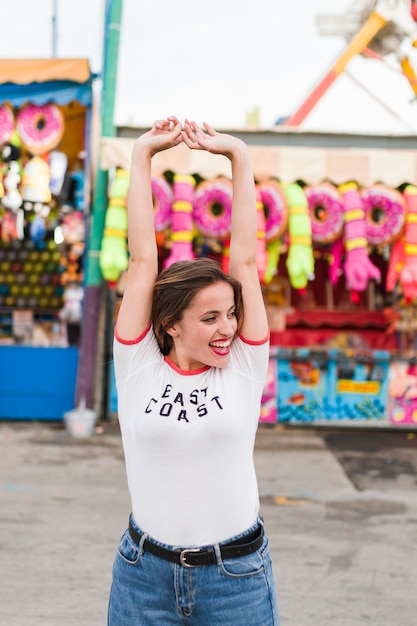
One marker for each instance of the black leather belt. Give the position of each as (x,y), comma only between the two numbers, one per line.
(195,557)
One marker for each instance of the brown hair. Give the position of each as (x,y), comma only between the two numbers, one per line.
(176,288)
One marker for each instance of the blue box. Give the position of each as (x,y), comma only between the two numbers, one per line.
(37,383)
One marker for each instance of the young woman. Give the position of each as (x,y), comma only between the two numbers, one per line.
(191,355)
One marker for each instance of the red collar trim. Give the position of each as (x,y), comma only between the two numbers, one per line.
(175,367)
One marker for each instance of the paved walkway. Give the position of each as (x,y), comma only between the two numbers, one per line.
(343,555)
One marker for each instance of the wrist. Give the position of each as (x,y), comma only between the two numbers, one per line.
(239,151)
(141,151)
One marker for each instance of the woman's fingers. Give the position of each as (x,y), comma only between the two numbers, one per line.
(191,133)
(195,137)
(209,129)
(167,124)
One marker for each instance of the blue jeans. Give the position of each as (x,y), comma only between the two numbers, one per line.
(149,591)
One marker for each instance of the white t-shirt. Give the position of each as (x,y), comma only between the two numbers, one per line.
(188,440)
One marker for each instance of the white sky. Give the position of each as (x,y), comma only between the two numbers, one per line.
(216,60)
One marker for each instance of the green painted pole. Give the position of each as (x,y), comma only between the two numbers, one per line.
(93,278)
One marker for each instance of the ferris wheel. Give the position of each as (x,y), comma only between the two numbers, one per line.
(372,28)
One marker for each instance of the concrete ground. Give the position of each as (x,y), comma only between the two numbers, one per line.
(340,510)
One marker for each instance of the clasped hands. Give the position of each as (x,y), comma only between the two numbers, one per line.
(169,132)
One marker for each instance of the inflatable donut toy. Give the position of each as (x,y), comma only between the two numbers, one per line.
(385,211)
(40,127)
(212,210)
(275,208)
(326,208)
(163,197)
(6,123)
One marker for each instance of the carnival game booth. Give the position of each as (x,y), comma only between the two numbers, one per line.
(45,108)
(337,252)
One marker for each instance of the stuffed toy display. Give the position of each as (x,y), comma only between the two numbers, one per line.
(41,240)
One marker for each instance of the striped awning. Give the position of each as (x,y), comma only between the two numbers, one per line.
(313,165)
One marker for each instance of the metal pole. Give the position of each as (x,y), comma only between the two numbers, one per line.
(93,277)
(54,28)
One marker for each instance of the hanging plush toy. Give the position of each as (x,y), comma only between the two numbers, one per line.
(7,123)
(38,229)
(10,229)
(113,255)
(359,269)
(11,154)
(405,253)
(35,182)
(261,252)
(12,199)
(275,208)
(58,163)
(182,220)
(300,260)
(71,265)
(73,227)
(72,309)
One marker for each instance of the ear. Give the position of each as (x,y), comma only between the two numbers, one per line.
(171,331)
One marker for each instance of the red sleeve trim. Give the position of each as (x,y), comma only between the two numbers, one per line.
(255,343)
(130,342)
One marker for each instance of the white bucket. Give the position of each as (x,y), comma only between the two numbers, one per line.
(80,422)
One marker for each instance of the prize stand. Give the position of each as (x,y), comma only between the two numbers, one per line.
(345,353)
(45,110)
(335,260)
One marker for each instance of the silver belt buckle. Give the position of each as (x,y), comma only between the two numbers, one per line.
(183,556)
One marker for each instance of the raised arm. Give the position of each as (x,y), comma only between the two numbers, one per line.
(135,311)
(243,242)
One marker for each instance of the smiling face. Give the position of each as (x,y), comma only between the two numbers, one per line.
(204,334)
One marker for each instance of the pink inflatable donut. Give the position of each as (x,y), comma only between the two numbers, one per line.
(6,123)
(385,211)
(212,209)
(40,128)
(326,209)
(276,209)
(163,197)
